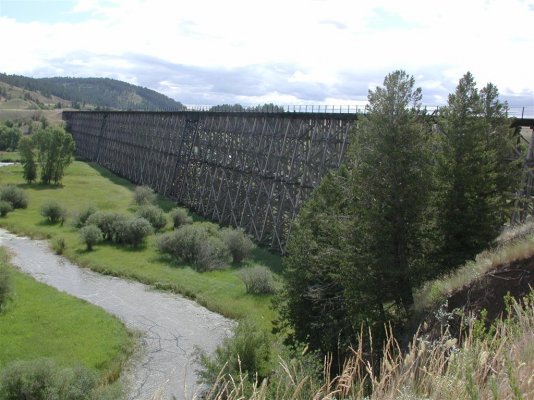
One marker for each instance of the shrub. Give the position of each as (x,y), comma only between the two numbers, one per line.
(180,217)
(133,231)
(144,195)
(14,195)
(258,280)
(195,244)
(80,218)
(247,351)
(212,254)
(91,235)
(238,242)
(109,222)
(5,207)
(58,245)
(53,211)
(154,215)
(210,228)
(5,286)
(181,244)
(43,379)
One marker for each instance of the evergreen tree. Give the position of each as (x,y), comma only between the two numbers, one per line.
(475,171)
(313,304)
(359,245)
(26,151)
(392,183)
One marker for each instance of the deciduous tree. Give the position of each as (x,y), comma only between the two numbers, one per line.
(55,148)
(27,156)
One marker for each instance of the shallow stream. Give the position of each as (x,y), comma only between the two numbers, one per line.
(171,326)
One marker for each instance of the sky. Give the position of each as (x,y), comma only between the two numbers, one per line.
(204,52)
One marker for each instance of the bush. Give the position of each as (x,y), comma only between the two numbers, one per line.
(180,217)
(109,222)
(247,351)
(181,244)
(5,207)
(258,280)
(91,235)
(238,242)
(212,254)
(144,195)
(58,245)
(154,215)
(133,231)
(43,379)
(53,211)
(195,244)
(14,195)
(5,286)
(80,218)
(210,228)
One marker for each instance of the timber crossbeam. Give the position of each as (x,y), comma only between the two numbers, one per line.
(247,169)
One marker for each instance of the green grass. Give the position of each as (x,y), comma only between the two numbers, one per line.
(9,156)
(39,321)
(85,184)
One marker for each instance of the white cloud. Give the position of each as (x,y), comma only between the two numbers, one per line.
(319,43)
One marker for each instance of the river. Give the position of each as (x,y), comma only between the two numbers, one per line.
(170,325)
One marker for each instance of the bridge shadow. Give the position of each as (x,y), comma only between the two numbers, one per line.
(164,203)
(105,173)
(40,186)
(261,255)
(122,247)
(266,257)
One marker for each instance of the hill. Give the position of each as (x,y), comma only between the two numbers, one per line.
(21,92)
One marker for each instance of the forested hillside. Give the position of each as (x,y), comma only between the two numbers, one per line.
(94,92)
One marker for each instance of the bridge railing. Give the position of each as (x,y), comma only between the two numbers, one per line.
(290,108)
(515,112)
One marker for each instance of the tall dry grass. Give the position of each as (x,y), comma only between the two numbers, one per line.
(484,364)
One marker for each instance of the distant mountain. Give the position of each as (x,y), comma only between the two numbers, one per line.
(95,93)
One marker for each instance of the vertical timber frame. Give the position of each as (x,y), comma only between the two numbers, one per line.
(524,147)
(249,170)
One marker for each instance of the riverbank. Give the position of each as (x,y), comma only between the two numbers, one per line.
(171,326)
(87,184)
(39,321)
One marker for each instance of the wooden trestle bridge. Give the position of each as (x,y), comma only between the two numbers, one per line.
(246,169)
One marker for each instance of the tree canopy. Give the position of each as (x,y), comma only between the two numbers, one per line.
(417,197)
(55,149)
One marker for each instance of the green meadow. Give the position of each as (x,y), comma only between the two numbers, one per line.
(39,321)
(89,184)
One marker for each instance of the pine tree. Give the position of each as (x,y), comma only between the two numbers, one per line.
(313,304)
(392,182)
(357,246)
(476,174)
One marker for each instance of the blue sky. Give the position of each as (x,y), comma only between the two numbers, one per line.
(39,10)
(286,52)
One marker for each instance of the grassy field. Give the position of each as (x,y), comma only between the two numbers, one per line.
(85,184)
(39,321)
(9,156)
